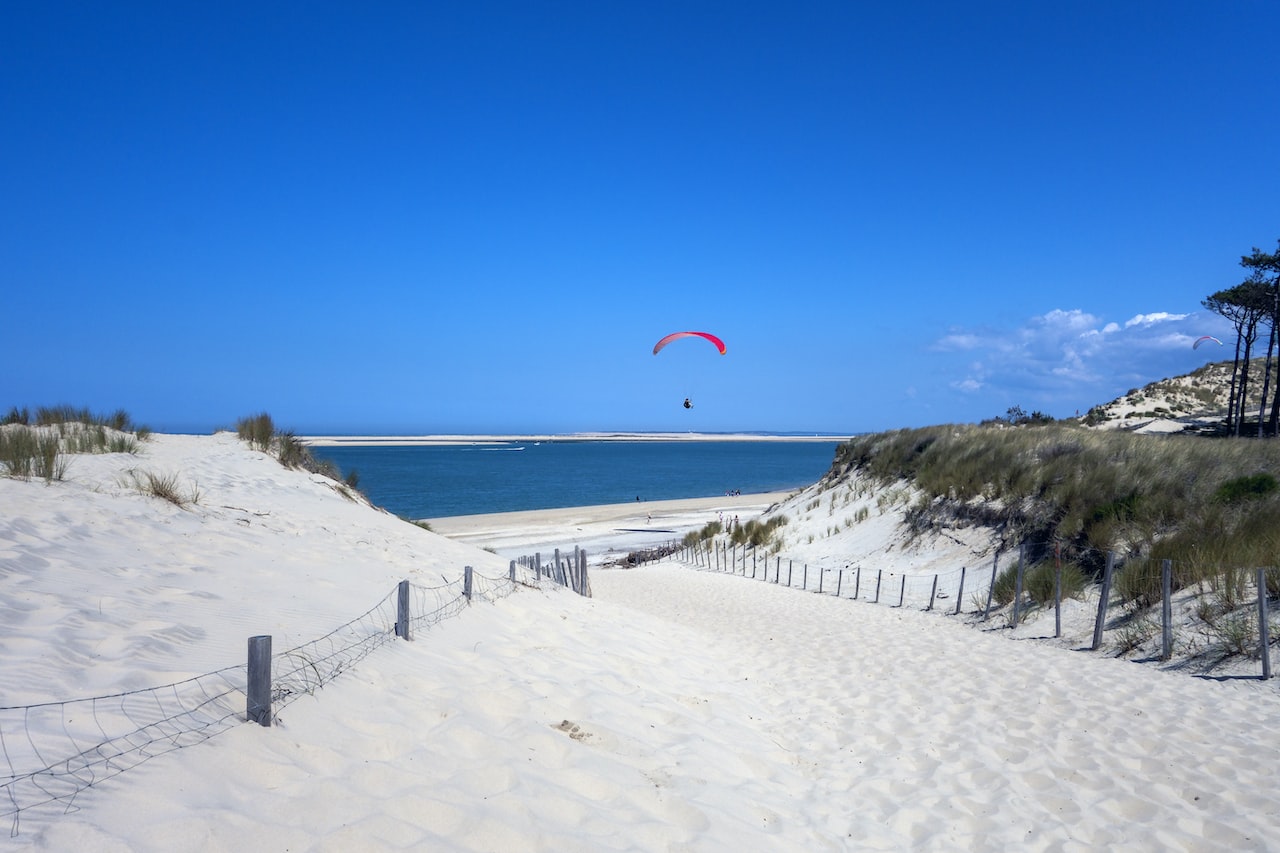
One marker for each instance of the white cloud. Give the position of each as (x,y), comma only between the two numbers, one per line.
(963,341)
(1069,358)
(1152,319)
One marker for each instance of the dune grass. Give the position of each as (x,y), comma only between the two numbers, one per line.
(164,486)
(752,534)
(38,445)
(1207,504)
(261,433)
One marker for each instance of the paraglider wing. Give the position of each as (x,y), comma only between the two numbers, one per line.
(719,344)
(1204,338)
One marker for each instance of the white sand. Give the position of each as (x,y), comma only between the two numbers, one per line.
(677,710)
(607,531)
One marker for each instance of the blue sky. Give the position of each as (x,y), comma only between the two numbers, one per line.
(480,217)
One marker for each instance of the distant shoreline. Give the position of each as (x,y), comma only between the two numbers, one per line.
(446,440)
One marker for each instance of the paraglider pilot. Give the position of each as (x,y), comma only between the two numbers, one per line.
(687,404)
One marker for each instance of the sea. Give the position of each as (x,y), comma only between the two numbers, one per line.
(439,481)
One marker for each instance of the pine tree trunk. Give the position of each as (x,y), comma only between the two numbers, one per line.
(1266,382)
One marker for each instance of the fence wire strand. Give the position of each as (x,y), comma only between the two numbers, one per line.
(54,751)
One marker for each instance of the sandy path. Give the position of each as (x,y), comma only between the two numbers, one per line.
(919,733)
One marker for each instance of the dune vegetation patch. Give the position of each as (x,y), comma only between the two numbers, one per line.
(1207,504)
(38,444)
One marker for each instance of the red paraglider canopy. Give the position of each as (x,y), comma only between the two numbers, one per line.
(1204,338)
(719,344)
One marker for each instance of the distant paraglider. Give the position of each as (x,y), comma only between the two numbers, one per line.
(675,336)
(1204,338)
(719,344)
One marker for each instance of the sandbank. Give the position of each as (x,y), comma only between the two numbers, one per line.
(603,529)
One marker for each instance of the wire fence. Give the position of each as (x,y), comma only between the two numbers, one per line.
(1246,632)
(54,751)
(925,591)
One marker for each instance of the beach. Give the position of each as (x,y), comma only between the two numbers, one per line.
(605,531)
(679,708)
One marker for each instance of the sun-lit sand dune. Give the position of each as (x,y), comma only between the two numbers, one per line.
(678,709)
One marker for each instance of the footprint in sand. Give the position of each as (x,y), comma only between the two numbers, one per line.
(573,730)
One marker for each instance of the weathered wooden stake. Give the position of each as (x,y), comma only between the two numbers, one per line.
(822,573)
(839,582)
(804,582)
(933,593)
(960,592)
(879,575)
(1166,609)
(402,610)
(258,692)
(857,581)
(991,589)
(1103,598)
(1264,629)
(1017,586)
(466,583)
(902,594)
(1057,589)
(511,571)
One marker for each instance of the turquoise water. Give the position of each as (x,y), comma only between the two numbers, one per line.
(434,482)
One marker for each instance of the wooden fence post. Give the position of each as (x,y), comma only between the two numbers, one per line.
(402,610)
(933,593)
(960,592)
(511,571)
(822,573)
(995,564)
(1264,630)
(1057,589)
(466,583)
(857,582)
(804,582)
(839,582)
(1166,609)
(258,693)
(879,575)
(1103,599)
(1017,587)
(791,564)
(902,595)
